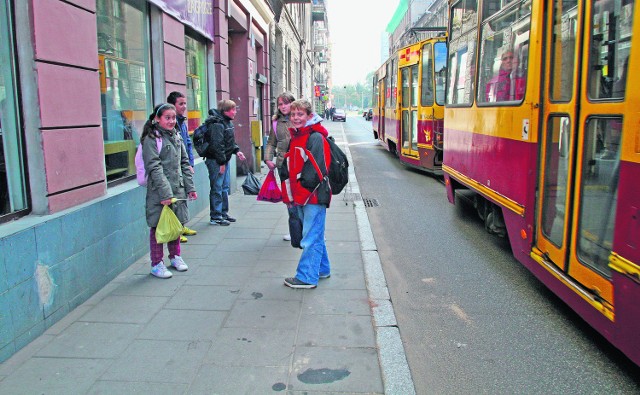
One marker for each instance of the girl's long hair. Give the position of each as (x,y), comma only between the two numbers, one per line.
(287,98)
(149,126)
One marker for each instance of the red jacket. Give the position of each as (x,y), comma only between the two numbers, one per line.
(302,181)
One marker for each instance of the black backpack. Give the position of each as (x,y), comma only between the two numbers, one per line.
(201,140)
(338,168)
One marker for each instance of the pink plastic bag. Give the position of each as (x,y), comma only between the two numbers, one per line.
(270,191)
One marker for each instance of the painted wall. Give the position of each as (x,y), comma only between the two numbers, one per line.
(80,234)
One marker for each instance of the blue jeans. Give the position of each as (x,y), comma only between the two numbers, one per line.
(219,192)
(314,259)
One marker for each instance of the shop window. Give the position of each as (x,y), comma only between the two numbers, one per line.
(125,81)
(197,103)
(13,196)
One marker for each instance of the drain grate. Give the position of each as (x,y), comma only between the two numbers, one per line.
(369,202)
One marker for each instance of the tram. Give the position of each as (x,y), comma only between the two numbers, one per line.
(409,123)
(543,134)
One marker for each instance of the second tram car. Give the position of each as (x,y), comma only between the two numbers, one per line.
(539,125)
(409,92)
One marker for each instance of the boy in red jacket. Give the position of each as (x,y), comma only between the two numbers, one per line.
(305,187)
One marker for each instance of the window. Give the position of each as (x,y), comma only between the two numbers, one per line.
(426,87)
(13,196)
(440,50)
(599,191)
(464,19)
(563,55)
(611,28)
(504,55)
(125,80)
(195,52)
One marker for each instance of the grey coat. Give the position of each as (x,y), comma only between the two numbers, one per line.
(168,176)
(278,142)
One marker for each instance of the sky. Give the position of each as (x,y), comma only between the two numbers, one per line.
(355,30)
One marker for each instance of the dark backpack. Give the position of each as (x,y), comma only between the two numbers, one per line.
(201,140)
(338,168)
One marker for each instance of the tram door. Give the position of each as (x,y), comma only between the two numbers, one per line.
(581,150)
(381,105)
(409,111)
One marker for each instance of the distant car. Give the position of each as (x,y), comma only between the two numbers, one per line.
(339,115)
(368,114)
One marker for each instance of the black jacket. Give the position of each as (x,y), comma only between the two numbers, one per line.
(221,137)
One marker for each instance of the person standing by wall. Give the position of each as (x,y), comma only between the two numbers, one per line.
(278,141)
(169,177)
(306,189)
(221,137)
(179,101)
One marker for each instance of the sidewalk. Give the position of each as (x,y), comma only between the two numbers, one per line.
(228,325)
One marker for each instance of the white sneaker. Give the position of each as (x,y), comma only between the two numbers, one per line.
(286,237)
(161,271)
(179,264)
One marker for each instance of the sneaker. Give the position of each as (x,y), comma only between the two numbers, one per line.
(286,237)
(179,264)
(219,221)
(189,232)
(293,282)
(183,239)
(325,275)
(228,218)
(161,271)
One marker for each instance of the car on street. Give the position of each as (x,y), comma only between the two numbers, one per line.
(367,115)
(339,115)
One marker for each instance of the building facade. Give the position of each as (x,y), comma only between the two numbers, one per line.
(416,20)
(78,79)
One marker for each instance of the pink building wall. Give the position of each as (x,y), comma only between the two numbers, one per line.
(174,56)
(70,118)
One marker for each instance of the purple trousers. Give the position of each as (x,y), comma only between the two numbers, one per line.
(156,249)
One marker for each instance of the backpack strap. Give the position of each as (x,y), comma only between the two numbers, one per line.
(275,126)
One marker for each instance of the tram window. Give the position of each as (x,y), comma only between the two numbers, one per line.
(462,47)
(440,50)
(504,56)
(414,86)
(599,191)
(427,76)
(563,54)
(611,29)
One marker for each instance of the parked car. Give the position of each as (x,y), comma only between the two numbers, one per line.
(367,115)
(339,115)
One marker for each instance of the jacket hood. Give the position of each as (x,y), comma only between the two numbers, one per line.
(217,116)
(312,125)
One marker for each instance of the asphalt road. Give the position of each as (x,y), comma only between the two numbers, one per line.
(472,319)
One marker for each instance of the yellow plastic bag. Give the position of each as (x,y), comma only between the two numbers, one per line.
(169,227)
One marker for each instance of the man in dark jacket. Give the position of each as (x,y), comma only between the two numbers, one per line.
(222,146)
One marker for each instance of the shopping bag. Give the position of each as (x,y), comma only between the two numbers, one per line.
(270,191)
(251,185)
(295,227)
(169,227)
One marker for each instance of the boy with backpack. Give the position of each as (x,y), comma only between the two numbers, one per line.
(305,188)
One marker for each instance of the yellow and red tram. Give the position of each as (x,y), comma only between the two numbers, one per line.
(409,91)
(541,124)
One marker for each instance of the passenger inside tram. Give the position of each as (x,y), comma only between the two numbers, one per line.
(507,84)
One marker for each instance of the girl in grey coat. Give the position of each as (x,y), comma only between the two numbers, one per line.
(169,176)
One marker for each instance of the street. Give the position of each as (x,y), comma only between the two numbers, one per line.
(472,319)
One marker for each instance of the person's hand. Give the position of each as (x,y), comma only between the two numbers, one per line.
(166,202)
(222,169)
(193,195)
(241,155)
(270,164)
(192,171)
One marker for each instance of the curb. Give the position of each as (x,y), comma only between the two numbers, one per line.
(396,375)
